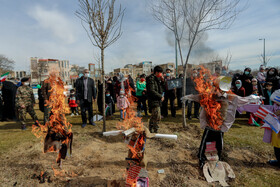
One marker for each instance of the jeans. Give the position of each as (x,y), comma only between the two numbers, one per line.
(123,114)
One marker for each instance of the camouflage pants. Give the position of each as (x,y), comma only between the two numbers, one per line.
(22,113)
(155,119)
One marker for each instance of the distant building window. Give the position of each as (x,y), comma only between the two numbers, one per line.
(61,64)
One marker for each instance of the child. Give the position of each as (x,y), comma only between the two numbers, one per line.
(122,104)
(109,103)
(267,93)
(72,102)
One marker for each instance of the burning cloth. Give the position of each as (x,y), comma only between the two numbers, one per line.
(56,134)
(218,109)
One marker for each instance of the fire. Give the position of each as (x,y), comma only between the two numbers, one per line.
(136,142)
(205,85)
(56,134)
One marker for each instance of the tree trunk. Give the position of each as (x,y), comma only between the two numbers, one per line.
(183,94)
(103,90)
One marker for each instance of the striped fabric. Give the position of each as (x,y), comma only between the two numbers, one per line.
(262,112)
(132,175)
(273,122)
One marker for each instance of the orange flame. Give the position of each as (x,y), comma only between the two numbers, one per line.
(137,141)
(57,123)
(205,85)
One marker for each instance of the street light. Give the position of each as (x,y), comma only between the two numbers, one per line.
(264,63)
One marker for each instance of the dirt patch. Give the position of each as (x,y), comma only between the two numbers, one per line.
(97,159)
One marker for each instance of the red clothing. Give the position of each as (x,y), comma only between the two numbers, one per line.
(72,102)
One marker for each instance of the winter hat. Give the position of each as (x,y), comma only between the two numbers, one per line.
(262,67)
(24,79)
(121,92)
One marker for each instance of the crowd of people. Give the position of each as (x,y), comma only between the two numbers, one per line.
(150,92)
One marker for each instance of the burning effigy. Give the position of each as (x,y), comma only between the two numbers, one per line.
(135,136)
(218,109)
(56,134)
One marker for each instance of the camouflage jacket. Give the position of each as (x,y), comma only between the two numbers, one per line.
(154,90)
(25,96)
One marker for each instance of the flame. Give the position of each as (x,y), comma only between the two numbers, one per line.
(205,85)
(57,125)
(137,141)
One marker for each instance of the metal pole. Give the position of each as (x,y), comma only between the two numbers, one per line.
(264,52)
(176,57)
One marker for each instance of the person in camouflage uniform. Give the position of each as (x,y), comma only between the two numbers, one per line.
(155,83)
(25,102)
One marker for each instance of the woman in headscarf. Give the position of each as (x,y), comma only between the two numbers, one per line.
(246,79)
(238,89)
(272,76)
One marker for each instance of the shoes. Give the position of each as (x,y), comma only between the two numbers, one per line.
(72,114)
(274,163)
(77,114)
(83,125)
(197,117)
(92,123)
(189,118)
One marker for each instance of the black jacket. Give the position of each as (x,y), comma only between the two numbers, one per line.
(154,91)
(248,86)
(80,89)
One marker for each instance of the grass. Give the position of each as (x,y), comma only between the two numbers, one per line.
(244,149)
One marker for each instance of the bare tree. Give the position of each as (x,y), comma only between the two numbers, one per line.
(189,19)
(6,64)
(104,24)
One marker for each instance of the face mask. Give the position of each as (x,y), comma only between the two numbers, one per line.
(142,79)
(271,72)
(238,85)
(159,75)
(121,95)
(26,84)
(194,74)
(86,75)
(168,74)
(107,95)
(268,87)
(254,83)
(247,72)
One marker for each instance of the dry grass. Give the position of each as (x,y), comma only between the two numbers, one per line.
(97,159)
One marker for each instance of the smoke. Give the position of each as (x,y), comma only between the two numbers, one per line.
(201,52)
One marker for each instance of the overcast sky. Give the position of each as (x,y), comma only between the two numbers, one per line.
(50,29)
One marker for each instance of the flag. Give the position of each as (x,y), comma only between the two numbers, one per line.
(4,76)
(273,122)
(252,121)
(132,174)
(262,112)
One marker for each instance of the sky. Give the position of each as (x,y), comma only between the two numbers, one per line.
(50,29)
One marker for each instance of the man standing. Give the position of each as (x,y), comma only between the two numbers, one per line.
(86,93)
(46,87)
(169,95)
(25,102)
(191,90)
(155,83)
